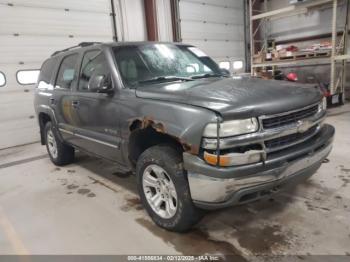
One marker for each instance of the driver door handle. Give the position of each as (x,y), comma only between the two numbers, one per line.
(52,101)
(75,104)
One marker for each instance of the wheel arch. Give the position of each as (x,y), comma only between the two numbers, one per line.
(44,118)
(144,136)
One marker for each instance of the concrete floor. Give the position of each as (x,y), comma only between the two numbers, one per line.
(88,208)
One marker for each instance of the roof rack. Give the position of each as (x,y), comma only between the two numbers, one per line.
(82,44)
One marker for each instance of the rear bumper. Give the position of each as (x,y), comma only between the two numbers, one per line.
(214,187)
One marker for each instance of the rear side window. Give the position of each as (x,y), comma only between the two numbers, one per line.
(2,79)
(67,72)
(46,72)
(94,63)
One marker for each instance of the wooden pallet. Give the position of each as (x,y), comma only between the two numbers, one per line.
(304,55)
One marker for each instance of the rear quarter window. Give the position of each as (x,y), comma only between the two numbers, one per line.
(67,73)
(46,74)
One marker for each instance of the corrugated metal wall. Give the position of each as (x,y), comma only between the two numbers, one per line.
(31,30)
(216,26)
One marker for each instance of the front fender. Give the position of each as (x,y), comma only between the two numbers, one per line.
(182,122)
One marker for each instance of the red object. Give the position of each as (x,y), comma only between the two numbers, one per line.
(292,48)
(327,93)
(292,77)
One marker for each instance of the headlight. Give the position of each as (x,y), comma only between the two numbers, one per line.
(323,105)
(232,128)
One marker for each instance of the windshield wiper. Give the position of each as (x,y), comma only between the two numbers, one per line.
(164,78)
(208,75)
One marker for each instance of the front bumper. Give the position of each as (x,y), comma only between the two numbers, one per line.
(216,187)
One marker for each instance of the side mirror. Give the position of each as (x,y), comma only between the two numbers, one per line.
(225,72)
(100,84)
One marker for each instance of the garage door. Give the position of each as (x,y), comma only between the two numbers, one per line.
(216,26)
(30,32)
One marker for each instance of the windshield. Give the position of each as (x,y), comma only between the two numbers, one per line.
(152,63)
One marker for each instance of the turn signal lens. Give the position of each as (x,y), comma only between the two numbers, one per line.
(213,159)
(235,159)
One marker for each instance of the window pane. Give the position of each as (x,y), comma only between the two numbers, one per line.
(224,65)
(46,73)
(27,77)
(237,65)
(2,79)
(138,65)
(66,75)
(94,64)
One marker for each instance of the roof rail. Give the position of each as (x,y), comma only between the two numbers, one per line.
(82,44)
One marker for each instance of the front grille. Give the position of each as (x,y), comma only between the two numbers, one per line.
(285,141)
(279,121)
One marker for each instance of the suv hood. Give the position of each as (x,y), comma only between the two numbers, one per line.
(236,98)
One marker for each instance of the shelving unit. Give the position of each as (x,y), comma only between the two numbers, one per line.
(337,57)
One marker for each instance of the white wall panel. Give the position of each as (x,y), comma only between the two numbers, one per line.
(237,4)
(31,49)
(221,50)
(198,30)
(164,16)
(54,22)
(81,6)
(210,13)
(217,27)
(132,20)
(32,30)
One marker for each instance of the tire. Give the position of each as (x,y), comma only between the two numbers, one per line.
(163,163)
(64,154)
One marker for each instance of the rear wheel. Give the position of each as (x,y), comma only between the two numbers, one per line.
(60,153)
(164,189)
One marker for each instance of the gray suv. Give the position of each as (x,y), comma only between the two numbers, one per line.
(195,137)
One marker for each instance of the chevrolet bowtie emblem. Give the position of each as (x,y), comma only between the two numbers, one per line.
(303,126)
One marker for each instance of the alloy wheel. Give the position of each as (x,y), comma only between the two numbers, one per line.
(160,191)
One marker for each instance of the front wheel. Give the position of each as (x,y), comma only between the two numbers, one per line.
(60,153)
(164,189)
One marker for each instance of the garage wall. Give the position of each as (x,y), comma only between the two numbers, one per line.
(31,30)
(164,20)
(216,26)
(130,20)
